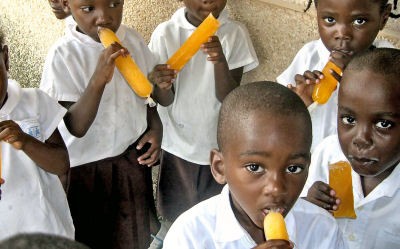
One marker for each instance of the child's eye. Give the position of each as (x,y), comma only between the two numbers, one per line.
(359,21)
(329,20)
(384,124)
(294,169)
(114,4)
(87,8)
(254,168)
(348,120)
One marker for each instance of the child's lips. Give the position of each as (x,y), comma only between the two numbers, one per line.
(362,161)
(345,51)
(278,209)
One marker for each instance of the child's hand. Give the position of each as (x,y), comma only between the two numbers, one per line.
(321,194)
(305,85)
(151,156)
(162,76)
(106,63)
(11,133)
(275,244)
(214,50)
(1,183)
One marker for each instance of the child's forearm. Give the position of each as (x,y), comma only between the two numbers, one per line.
(164,97)
(226,80)
(81,114)
(51,156)
(153,119)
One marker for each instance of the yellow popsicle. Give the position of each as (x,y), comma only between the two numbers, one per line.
(127,66)
(190,47)
(275,227)
(324,89)
(340,181)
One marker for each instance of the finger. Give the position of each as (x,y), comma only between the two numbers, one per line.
(335,75)
(311,76)
(299,79)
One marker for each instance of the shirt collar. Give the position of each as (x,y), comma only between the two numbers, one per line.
(13,97)
(180,18)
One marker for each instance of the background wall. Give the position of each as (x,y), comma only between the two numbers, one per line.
(278,29)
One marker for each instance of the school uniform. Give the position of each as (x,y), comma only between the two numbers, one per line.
(32,199)
(212,224)
(190,122)
(110,194)
(378,218)
(314,56)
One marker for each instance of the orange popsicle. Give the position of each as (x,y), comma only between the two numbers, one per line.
(275,227)
(190,47)
(127,66)
(340,181)
(324,89)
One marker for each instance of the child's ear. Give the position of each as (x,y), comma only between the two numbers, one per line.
(385,15)
(217,166)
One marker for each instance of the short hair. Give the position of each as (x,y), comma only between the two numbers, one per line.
(2,40)
(383,61)
(40,241)
(264,96)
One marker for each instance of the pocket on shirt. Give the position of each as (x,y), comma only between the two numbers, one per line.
(32,127)
(388,237)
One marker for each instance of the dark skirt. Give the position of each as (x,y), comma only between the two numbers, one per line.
(112,203)
(182,184)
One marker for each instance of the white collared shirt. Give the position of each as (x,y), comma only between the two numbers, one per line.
(190,122)
(32,199)
(314,56)
(378,215)
(121,117)
(212,224)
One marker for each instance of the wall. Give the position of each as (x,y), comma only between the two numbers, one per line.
(278,29)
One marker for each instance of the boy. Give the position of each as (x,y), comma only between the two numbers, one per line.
(33,153)
(264,161)
(369,139)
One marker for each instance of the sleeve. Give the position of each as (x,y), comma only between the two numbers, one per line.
(182,235)
(238,48)
(317,170)
(57,78)
(157,45)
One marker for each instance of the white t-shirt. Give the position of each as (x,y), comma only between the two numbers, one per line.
(121,117)
(32,199)
(378,215)
(190,122)
(212,224)
(314,56)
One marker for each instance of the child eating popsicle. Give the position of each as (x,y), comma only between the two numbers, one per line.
(263,159)
(190,100)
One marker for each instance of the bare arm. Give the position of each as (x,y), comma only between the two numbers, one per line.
(51,156)
(225,80)
(81,114)
(163,78)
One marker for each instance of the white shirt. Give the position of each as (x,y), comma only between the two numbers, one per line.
(377,225)
(212,224)
(314,56)
(32,199)
(190,122)
(121,117)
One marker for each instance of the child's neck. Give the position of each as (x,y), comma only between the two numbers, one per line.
(369,183)
(256,233)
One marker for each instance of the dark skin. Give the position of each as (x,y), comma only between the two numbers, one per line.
(51,155)
(346,28)
(225,80)
(90,15)
(265,167)
(368,132)
(58,8)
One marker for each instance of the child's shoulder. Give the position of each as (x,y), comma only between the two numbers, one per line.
(309,214)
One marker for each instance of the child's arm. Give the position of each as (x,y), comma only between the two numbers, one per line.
(163,78)
(51,156)
(153,136)
(81,114)
(225,80)
(321,194)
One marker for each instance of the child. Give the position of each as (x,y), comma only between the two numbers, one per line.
(58,8)
(343,34)
(264,161)
(33,153)
(369,139)
(110,192)
(190,103)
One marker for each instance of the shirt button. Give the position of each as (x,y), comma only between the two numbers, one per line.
(352,237)
(181,126)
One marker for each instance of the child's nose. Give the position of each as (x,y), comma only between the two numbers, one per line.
(343,32)
(362,137)
(275,185)
(102,18)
